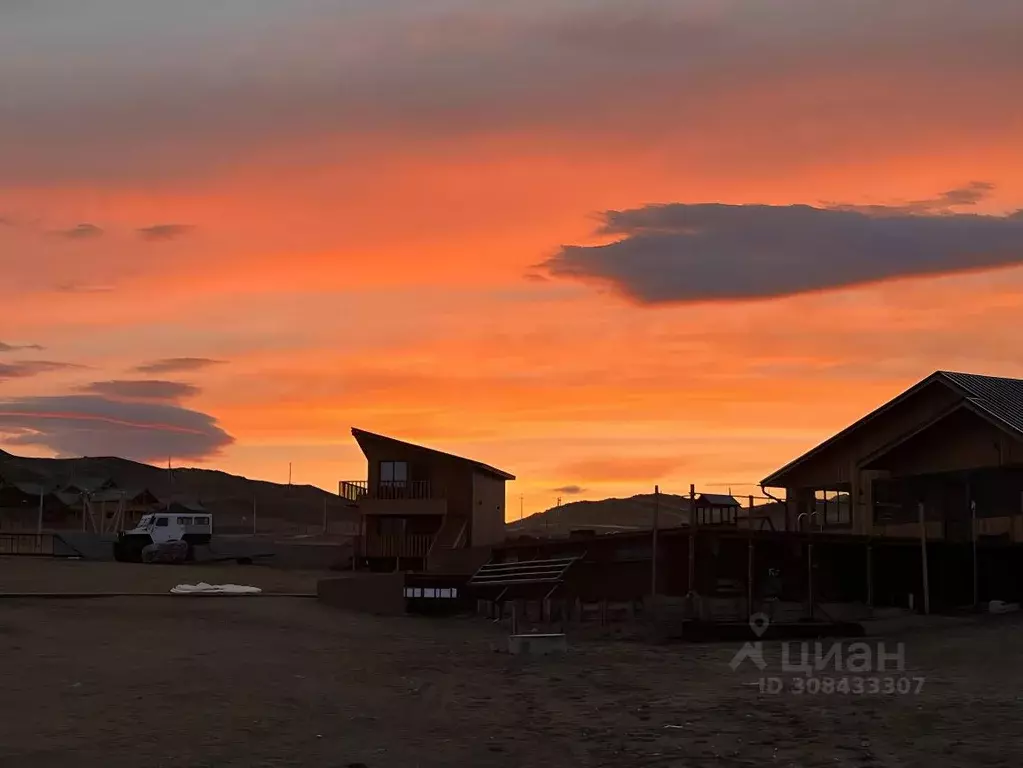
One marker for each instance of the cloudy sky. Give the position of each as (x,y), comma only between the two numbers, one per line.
(599,244)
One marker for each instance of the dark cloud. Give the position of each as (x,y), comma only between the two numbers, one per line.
(446,68)
(142,389)
(971,194)
(702,252)
(25,368)
(569,490)
(89,425)
(76,287)
(81,232)
(164,231)
(18,347)
(177,364)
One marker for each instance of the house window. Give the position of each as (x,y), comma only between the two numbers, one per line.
(393,472)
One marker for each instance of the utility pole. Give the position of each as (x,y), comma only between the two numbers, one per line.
(39,522)
(653,551)
(253,514)
(521,507)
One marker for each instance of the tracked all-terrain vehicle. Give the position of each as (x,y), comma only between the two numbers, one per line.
(164,528)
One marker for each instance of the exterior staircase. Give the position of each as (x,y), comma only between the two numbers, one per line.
(449,552)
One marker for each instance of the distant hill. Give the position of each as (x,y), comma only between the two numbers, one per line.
(229,497)
(635,513)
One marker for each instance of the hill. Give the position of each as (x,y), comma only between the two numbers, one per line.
(229,497)
(635,513)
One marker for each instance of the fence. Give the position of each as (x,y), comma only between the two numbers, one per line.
(26,544)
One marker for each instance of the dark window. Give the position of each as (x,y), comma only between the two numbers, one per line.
(393,472)
(161,522)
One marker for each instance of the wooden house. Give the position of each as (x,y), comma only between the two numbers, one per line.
(422,508)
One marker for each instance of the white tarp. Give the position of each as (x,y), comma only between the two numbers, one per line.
(202,588)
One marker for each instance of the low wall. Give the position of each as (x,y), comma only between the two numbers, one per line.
(465,561)
(90,546)
(376,593)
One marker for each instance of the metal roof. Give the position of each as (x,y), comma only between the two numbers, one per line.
(358,434)
(999,397)
(718,500)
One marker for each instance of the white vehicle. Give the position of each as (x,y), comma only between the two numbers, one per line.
(161,528)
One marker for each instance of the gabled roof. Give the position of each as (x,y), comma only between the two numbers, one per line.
(718,500)
(361,434)
(995,398)
(1000,398)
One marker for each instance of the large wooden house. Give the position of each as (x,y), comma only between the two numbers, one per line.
(424,509)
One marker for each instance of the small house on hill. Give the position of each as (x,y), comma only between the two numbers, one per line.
(716,509)
(421,507)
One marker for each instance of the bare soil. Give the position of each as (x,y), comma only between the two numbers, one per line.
(274,681)
(29,574)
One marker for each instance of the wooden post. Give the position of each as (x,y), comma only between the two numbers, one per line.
(923,557)
(973,529)
(809,572)
(870,577)
(749,561)
(653,551)
(694,525)
(39,522)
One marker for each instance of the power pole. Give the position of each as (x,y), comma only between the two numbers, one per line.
(520,505)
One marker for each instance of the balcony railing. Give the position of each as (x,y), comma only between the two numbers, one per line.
(396,545)
(354,490)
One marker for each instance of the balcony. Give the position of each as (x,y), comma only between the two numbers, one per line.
(396,545)
(412,497)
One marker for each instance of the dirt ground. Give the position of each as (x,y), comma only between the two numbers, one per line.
(275,681)
(29,574)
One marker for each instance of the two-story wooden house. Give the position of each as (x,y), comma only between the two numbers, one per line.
(425,509)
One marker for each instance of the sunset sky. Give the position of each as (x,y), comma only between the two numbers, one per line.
(598,244)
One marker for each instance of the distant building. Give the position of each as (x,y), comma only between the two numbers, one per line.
(422,508)
(716,509)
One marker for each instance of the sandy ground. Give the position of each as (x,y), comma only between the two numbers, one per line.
(270,681)
(29,574)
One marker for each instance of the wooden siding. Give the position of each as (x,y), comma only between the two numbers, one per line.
(488,510)
(835,466)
